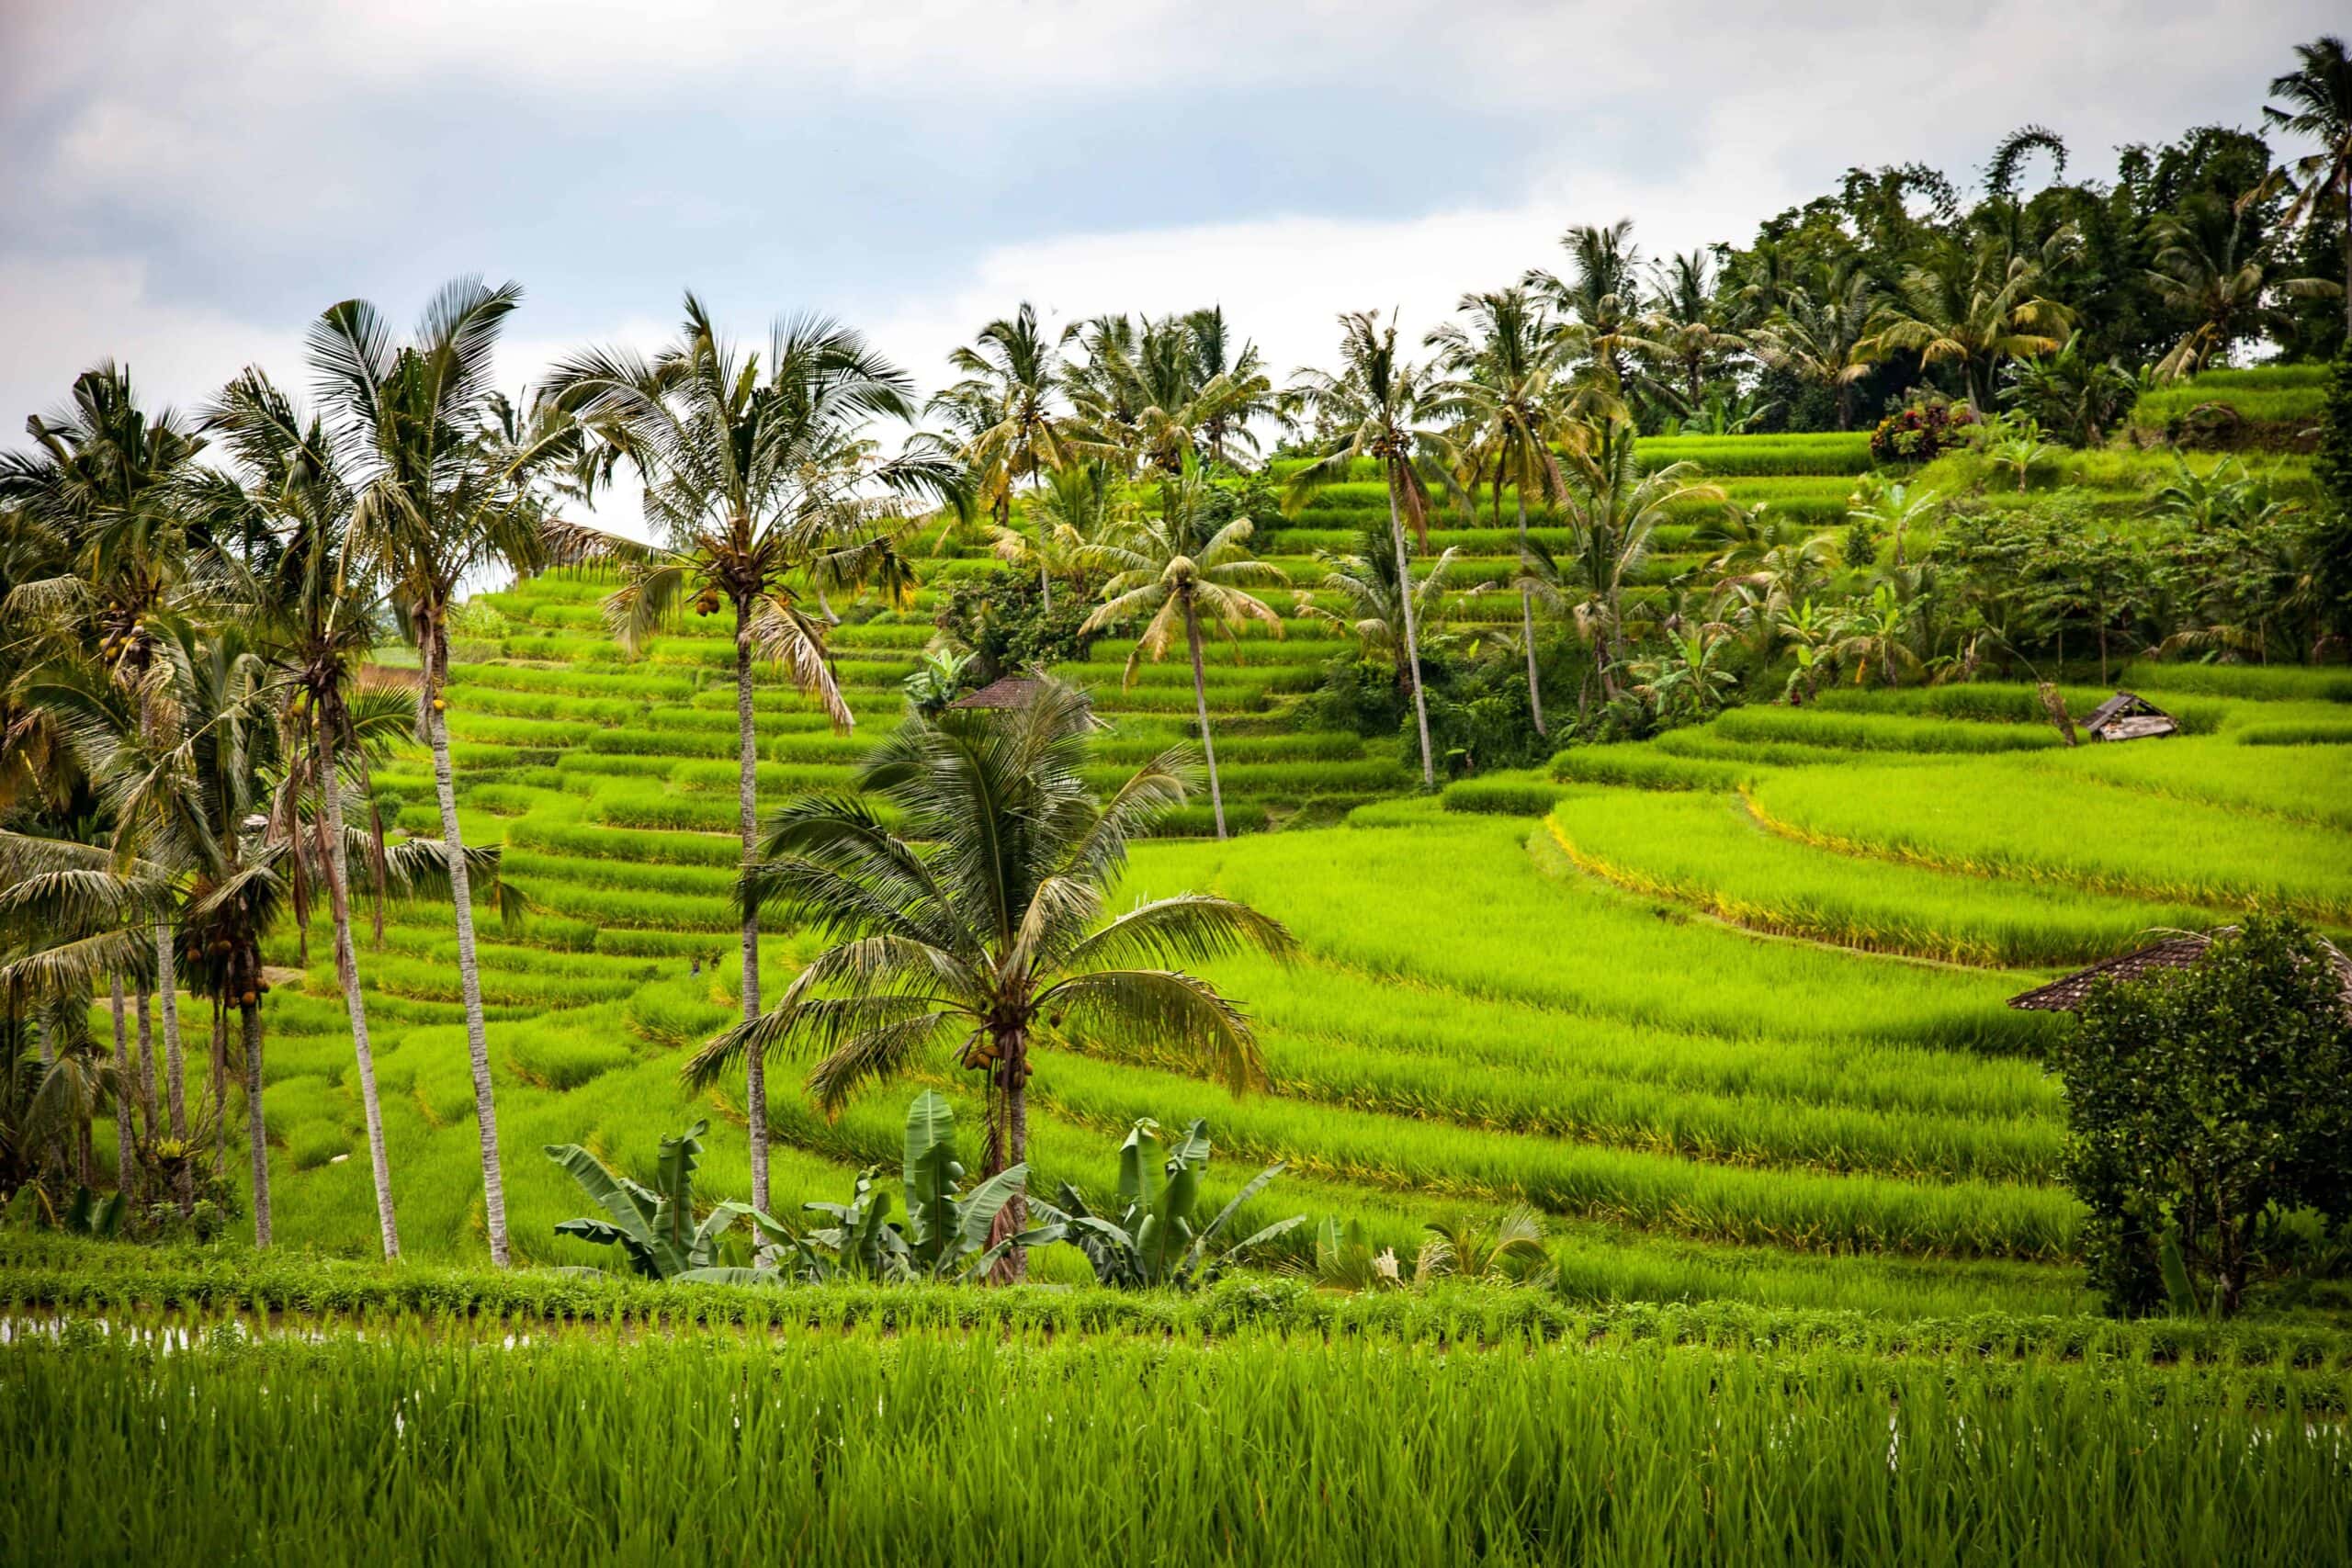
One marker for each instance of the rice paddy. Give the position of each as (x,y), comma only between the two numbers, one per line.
(1726,1010)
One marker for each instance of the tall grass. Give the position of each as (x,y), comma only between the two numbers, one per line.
(933,1446)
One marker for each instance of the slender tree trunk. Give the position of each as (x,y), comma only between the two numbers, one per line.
(1045,581)
(126,1139)
(346,973)
(146,1062)
(747,818)
(1009,1146)
(1201,706)
(167,992)
(1527,619)
(220,1060)
(1412,636)
(453,839)
(250,1013)
(48,1035)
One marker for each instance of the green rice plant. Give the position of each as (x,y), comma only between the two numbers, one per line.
(1707,852)
(2259,683)
(589,841)
(1643,767)
(2263,394)
(1503,923)
(1503,796)
(1999,703)
(2304,783)
(2313,734)
(1860,732)
(2009,818)
(846,1444)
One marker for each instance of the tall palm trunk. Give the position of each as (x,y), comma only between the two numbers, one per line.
(1008,1145)
(258,1131)
(126,1156)
(346,973)
(747,817)
(1045,581)
(146,1061)
(1527,620)
(1201,706)
(219,1073)
(453,839)
(1412,636)
(47,1034)
(167,989)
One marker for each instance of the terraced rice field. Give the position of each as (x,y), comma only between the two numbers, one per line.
(1726,1007)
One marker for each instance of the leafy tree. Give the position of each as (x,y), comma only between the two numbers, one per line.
(2078,397)
(1973,312)
(2332,538)
(981,916)
(2203,1107)
(2217,274)
(1822,340)
(1600,296)
(1175,572)
(2318,107)
(1393,412)
(761,489)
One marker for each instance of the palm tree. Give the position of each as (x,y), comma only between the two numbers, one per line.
(981,917)
(318,615)
(1876,634)
(758,483)
(1006,407)
(2318,106)
(1768,555)
(1687,330)
(415,427)
(1078,506)
(1891,508)
(2208,267)
(110,486)
(1820,341)
(1244,394)
(1601,295)
(1393,412)
(1365,582)
(1613,510)
(1180,569)
(1971,313)
(1506,368)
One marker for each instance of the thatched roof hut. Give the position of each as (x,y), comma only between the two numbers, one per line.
(2127,716)
(2068,993)
(1006,692)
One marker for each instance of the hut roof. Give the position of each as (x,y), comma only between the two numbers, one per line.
(2127,716)
(2067,993)
(1008,691)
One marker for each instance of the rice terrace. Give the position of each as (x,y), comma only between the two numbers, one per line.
(1694,911)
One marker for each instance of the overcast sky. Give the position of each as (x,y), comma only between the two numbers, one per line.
(184,184)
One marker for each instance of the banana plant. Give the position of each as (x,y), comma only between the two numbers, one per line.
(1156,1238)
(948,1230)
(656,1227)
(861,1243)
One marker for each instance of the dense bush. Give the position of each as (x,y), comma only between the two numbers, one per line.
(1921,432)
(1000,618)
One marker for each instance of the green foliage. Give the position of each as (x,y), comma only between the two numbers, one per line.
(1001,621)
(1156,1238)
(2205,1106)
(1921,432)
(655,1227)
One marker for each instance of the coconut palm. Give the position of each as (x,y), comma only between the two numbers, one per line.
(318,615)
(1244,392)
(1819,339)
(1364,581)
(1612,511)
(1007,408)
(980,919)
(2318,106)
(1601,295)
(108,491)
(2210,268)
(1175,571)
(1393,411)
(438,497)
(1970,312)
(1687,334)
(1506,372)
(758,486)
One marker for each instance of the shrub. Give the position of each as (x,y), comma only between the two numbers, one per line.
(1922,432)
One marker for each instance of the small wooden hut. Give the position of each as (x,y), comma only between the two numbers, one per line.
(2182,952)
(2127,716)
(1005,692)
